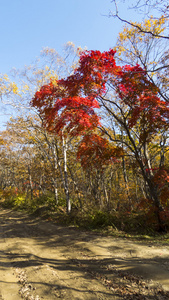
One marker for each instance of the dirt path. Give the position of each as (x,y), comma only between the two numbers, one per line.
(40,260)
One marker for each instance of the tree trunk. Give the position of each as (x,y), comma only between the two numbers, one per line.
(30,182)
(66,187)
(153,194)
(76,187)
(55,191)
(55,154)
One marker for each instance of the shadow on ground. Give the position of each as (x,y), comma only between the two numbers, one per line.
(78,258)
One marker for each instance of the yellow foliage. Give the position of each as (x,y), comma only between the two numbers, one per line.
(156,26)
(14,88)
(134,42)
(1,141)
(6,86)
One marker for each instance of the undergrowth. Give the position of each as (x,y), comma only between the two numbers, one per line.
(117,223)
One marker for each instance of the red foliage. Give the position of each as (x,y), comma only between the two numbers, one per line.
(70,103)
(96,151)
(141,96)
(92,73)
(161,176)
(75,113)
(77,94)
(165,217)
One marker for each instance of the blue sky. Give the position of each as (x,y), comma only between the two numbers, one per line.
(26,26)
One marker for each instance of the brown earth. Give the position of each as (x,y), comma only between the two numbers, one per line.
(41,260)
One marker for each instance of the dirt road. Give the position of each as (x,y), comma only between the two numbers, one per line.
(40,260)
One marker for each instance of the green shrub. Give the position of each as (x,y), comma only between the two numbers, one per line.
(20,201)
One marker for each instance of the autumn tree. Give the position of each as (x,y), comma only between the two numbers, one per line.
(97,155)
(151,9)
(129,98)
(64,119)
(49,67)
(150,52)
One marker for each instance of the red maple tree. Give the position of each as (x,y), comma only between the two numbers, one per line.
(71,103)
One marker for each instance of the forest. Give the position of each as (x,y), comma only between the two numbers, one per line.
(88,142)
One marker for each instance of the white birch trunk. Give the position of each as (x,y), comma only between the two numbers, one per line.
(68,203)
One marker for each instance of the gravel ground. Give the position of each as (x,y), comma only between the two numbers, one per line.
(41,260)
